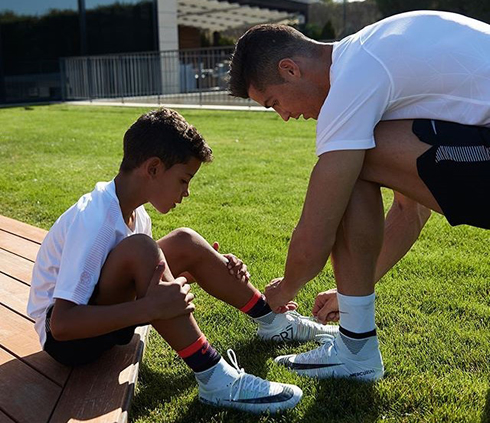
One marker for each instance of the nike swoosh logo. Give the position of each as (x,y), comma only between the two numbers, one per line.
(307,366)
(285,395)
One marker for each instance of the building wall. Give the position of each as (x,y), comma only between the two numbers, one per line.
(167,25)
(189,37)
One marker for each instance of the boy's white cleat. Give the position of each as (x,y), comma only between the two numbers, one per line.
(292,326)
(339,357)
(229,386)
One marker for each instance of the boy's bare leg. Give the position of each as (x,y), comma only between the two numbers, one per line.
(126,275)
(187,251)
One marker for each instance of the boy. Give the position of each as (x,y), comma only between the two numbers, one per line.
(99,274)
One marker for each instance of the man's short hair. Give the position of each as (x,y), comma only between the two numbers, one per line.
(165,134)
(258,52)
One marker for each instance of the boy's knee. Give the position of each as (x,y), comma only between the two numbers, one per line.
(185,234)
(141,248)
(185,237)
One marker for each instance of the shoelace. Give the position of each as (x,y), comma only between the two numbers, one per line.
(313,355)
(244,380)
(305,327)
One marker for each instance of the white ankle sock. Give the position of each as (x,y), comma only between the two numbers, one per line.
(218,376)
(357,313)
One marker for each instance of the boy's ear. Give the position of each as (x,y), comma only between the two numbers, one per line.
(288,68)
(153,166)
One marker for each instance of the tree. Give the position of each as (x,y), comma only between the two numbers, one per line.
(328,31)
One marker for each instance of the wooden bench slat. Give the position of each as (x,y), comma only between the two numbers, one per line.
(34,386)
(16,266)
(25,394)
(102,390)
(17,334)
(14,294)
(22,229)
(17,245)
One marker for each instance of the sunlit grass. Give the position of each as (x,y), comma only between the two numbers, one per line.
(433,308)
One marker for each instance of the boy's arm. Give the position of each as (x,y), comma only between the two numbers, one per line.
(329,191)
(163,301)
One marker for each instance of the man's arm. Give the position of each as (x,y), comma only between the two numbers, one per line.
(331,184)
(403,225)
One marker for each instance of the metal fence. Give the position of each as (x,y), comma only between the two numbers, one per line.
(173,77)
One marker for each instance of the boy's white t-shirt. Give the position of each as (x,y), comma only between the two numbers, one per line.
(432,65)
(71,256)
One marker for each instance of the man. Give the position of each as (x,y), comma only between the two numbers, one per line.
(426,77)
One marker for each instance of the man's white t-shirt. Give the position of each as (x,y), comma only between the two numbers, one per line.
(432,65)
(71,256)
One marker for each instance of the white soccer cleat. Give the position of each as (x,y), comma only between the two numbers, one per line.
(339,357)
(251,393)
(292,326)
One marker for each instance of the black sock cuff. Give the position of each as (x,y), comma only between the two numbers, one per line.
(260,308)
(355,335)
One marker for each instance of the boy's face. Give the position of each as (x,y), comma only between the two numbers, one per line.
(170,186)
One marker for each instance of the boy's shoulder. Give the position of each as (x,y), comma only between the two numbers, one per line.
(92,209)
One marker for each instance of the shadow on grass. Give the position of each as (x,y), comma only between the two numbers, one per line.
(328,400)
(485,418)
(344,401)
(157,388)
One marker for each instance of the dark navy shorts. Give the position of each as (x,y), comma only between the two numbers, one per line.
(83,351)
(456,169)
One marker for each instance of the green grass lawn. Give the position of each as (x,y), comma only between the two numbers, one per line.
(433,308)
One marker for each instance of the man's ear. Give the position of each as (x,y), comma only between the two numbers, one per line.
(154,166)
(288,68)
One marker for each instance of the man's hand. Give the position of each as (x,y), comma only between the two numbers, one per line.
(235,266)
(166,300)
(326,307)
(278,301)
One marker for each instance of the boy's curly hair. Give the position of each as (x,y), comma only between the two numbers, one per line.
(165,134)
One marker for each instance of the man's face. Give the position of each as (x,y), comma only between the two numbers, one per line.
(292,99)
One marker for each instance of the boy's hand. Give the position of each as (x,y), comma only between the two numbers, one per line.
(166,300)
(235,266)
(277,300)
(326,307)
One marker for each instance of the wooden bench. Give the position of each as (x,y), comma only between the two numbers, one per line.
(34,387)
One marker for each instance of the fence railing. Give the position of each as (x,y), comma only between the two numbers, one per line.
(178,76)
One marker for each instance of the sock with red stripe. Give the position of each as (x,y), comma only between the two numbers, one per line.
(257,306)
(200,355)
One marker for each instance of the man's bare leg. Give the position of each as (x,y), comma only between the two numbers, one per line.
(393,164)
(354,351)
(358,241)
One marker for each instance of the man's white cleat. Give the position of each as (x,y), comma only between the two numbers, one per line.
(245,392)
(339,357)
(292,326)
